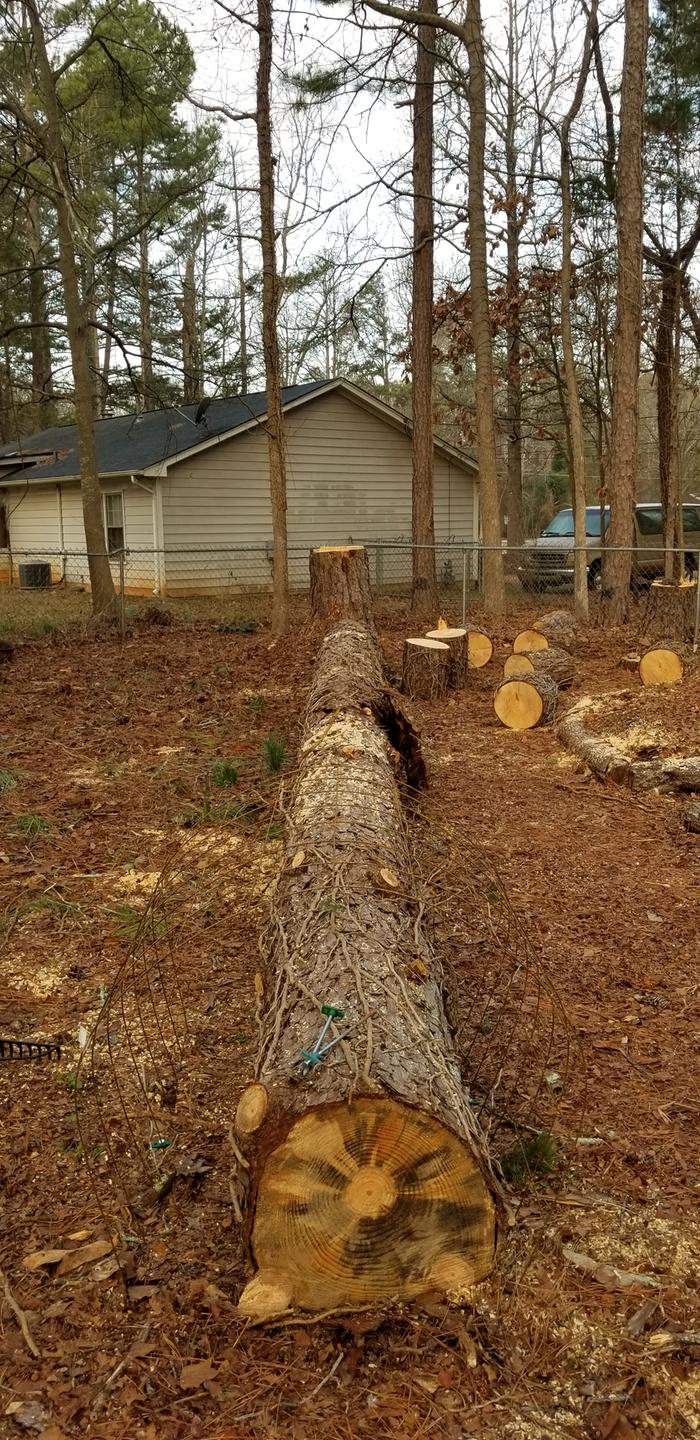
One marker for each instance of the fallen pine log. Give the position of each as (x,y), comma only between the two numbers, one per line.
(368,1170)
(663,664)
(670,774)
(524,701)
(557,628)
(552,661)
(456,642)
(426,668)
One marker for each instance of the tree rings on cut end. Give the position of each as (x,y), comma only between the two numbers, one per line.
(371,1201)
(661,666)
(529,640)
(479,648)
(251,1109)
(524,701)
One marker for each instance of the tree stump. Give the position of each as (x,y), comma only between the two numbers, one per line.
(663,664)
(368,1166)
(552,661)
(425,668)
(479,647)
(670,611)
(340,586)
(525,701)
(558,628)
(456,642)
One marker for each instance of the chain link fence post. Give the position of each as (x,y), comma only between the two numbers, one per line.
(122,598)
(696,632)
(464,587)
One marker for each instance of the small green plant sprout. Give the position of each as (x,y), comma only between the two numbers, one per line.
(237,627)
(8,781)
(223,773)
(274,750)
(31,826)
(531,1160)
(256,704)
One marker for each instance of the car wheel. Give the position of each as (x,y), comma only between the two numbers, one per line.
(595,576)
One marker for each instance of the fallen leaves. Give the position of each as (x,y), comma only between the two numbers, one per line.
(84,1255)
(192,1376)
(40,1258)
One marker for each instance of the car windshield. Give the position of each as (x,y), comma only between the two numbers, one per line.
(563,523)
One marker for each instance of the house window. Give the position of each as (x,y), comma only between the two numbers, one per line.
(114,522)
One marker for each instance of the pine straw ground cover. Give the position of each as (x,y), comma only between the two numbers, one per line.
(111,752)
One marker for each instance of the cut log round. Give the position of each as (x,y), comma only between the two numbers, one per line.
(663,664)
(368,1174)
(340,588)
(557,628)
(425,668)
(524,701)
(670,611)
(479,647)
(552,661)
(251,1109)
(456,642)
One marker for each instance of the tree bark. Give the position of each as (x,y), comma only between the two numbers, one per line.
(426,666)
(515,529)
(556,628)
(42,372)
(367,1165)
(494,583)
(669,775)
(424,597)
(242,309)
(670,611)
(458,663)
(93,342)
(145,324)
(667,361)
(624,424)
(270,306)
(573,401)
(552,661)
(340,585)
(191,387)
(101,583)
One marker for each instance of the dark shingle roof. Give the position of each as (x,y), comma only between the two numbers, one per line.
(132,443)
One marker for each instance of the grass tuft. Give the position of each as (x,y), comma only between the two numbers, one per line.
(8,781)
(223,773)
(256,704)
(274,750)
(531,1159)
(31,825)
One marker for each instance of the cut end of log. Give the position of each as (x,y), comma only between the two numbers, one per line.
(525,701)
(251,1110)
(365,1202)
(518,663)
(529,640)
(479,649)
(661,666)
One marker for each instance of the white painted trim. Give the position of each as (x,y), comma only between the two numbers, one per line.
(158,538)
(59,506)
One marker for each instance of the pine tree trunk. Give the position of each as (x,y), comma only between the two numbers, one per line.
(515,528)
(667,359)
(145,325)
(190,388)
(624,425)
(101,583)
(494,585)
(242,311)
(367,1165)
(93,342)
(424,592)
(270,305)
(42,374)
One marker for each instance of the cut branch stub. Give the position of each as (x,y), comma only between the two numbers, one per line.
(340,586)
(552,661)
(525,701)
(456,642)
(369,1169)
(479,647)
(425,668)
(663,664)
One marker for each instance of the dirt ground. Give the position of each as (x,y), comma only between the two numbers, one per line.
(111,771)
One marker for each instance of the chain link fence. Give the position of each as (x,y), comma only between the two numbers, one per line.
(535,574)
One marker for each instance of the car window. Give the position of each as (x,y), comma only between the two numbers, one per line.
(649,522)
(691,518)
(562,524)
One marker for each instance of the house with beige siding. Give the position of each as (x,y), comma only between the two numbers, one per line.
(186,492)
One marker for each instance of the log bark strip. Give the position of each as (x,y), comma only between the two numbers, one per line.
(524,701)
(552,661)
(368,1171)
(456,642)
(340,586)
(669,775)
(425,668)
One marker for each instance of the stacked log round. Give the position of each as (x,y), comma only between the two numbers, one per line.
(366,1161)
(663,664)
(558,629)
(524,701)
(456,642)
(426,666)
(479,647)
(552,661)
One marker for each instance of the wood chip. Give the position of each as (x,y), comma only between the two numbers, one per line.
(192,1376)
(390,878)
(39,1258)
(298,860)
(84,1255)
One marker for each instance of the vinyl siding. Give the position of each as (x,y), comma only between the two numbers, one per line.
(43,520)
(348,478)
